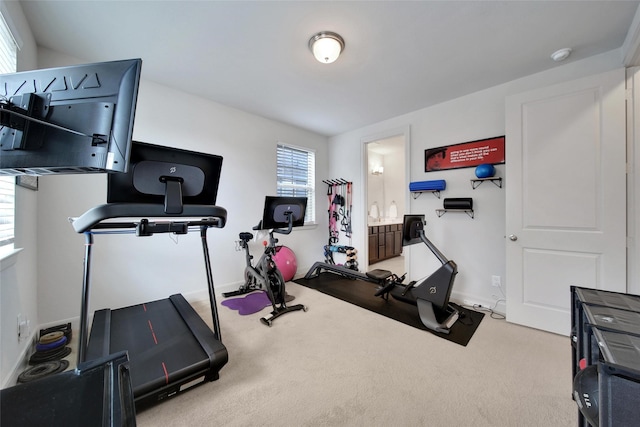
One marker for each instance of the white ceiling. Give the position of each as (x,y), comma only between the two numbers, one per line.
(399,56)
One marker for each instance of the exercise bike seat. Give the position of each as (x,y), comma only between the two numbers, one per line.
(245,237)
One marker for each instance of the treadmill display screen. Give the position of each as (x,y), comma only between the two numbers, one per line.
(159,174)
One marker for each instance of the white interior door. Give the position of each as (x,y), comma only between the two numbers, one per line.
(565,197)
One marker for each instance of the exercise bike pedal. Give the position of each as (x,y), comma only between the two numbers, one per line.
(242,291)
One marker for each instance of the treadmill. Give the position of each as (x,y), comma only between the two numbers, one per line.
(169,345)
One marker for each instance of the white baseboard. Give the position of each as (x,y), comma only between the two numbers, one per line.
(499,306)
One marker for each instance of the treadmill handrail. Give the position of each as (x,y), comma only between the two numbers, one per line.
(94,216)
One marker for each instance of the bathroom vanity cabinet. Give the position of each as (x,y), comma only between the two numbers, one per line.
(385,241)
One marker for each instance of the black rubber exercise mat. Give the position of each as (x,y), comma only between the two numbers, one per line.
(362,294)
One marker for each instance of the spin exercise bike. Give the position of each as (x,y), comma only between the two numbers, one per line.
(250,283)
(429,295)
(279,212)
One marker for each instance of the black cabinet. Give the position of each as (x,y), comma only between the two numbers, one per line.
(606,334)
(385,241)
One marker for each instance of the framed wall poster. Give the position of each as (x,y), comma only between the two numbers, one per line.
(27,181)
(465,155)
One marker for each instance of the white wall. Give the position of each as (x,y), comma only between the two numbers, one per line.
(18,279)
(129,270)
(476,245)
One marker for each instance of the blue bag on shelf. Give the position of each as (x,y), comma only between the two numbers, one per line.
(434,185)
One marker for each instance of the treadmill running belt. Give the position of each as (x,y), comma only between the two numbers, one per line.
(167,342)
(159,342)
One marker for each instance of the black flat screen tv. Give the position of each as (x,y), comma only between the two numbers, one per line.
(275,208)
(68,120)
(166,175)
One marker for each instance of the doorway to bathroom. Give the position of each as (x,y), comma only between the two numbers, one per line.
(387,199)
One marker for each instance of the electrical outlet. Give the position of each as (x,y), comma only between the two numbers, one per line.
(495,281)
(23,327)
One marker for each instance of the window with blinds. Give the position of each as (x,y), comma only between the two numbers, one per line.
(7,211)
(8,54)
(296,171)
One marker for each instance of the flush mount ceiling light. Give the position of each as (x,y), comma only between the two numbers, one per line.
(561,54)
(326,46)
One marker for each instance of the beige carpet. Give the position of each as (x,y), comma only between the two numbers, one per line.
(340,365)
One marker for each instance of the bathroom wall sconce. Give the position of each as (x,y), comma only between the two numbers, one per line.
(377,170)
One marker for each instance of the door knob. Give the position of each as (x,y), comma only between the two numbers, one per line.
(513,237)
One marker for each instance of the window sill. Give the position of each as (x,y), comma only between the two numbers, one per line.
(8,258)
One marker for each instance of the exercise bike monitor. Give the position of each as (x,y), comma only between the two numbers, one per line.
(276,207)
